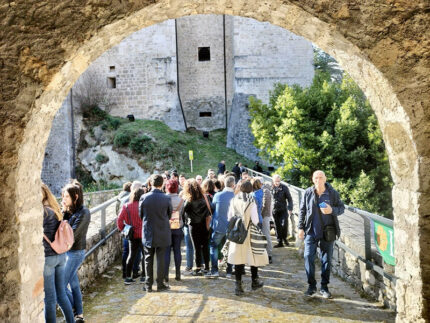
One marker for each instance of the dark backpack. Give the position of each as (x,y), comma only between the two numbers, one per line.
(236,231)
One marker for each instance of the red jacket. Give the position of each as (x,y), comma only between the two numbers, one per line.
(136,221)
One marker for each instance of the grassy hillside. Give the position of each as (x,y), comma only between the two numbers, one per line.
(155,146)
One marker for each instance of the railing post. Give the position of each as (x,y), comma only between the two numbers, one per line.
(367,242)
(103,223)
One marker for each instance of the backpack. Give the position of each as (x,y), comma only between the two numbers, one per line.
(236,231)
(64,238)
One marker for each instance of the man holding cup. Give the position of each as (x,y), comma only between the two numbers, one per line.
(319,226)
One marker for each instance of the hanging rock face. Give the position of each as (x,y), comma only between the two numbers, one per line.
(45,46)
(107,165)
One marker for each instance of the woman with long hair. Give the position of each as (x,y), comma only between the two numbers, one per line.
(240,254)
(208,188)
(176,224)
(130,215)
(53,271)
(79,218)
(196,211)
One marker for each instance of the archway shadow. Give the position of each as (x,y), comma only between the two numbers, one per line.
(284,284)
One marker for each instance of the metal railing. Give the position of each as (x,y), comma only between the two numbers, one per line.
(366,216)
(103,236)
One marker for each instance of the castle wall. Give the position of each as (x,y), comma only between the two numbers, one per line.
(201,83)
(144,69)
(57,164)
(264,54)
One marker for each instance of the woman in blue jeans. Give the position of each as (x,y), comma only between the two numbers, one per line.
(79,218)
(53,271)
(176,225)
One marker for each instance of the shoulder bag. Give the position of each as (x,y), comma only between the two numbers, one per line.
(236,230)
(329,230)
(175,223)
(127,232)
(208,218)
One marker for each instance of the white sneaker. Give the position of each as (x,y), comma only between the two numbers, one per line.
(212,275)
(228,276)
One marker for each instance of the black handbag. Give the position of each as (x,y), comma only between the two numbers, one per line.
(329,230)
(127,232)
(236,231)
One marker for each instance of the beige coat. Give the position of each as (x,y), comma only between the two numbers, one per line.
(239,254)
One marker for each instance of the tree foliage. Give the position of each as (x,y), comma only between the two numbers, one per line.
(329,126)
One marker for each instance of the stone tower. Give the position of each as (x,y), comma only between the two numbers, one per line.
(196,71)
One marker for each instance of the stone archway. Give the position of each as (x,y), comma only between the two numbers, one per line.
(45,47)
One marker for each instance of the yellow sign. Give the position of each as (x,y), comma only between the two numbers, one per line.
(190,153)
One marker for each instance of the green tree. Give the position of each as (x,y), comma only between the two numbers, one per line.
(330,126)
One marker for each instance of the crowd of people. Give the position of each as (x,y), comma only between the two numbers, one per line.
(169,208)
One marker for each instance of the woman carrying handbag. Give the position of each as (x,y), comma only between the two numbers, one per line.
(240,254)
(176,225)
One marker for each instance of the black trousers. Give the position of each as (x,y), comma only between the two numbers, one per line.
(135,246)
(239,269)
(149,265)
(281,224)
(200,239)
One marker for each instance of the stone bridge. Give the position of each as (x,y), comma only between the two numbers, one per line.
(46,45)
(360,294)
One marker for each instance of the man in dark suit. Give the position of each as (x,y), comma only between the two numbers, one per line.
(155,209)
(221,167)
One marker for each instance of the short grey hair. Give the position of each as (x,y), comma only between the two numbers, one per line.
(276,176)
(229,181)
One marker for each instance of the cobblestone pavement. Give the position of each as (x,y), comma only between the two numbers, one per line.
(198,299)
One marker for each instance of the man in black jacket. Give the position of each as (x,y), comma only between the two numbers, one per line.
(236,171)
(221,167)
(320,207)
(281,211)
(155,209)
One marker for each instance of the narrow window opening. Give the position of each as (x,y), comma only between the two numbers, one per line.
(204,54)
(111,82)
(205,114)
(111,68)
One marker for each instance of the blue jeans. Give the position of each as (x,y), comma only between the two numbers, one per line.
(74,261)
(216,239)
(177,236)
(189,250)
(53,283)
(326,249)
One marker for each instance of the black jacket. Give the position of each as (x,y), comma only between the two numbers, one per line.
(236,171)
(50,226)
(309,208)
(281,194)
(221,168)
(79,221)
(196,211)
(155,210)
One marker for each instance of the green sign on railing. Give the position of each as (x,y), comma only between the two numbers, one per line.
(384,237)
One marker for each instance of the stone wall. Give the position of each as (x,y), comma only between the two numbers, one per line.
(143,68)
(239,135)
(264,54)
(201,83)
(58,161)
(96,263)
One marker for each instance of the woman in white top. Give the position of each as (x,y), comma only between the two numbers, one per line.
(176,224)
(240,254)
